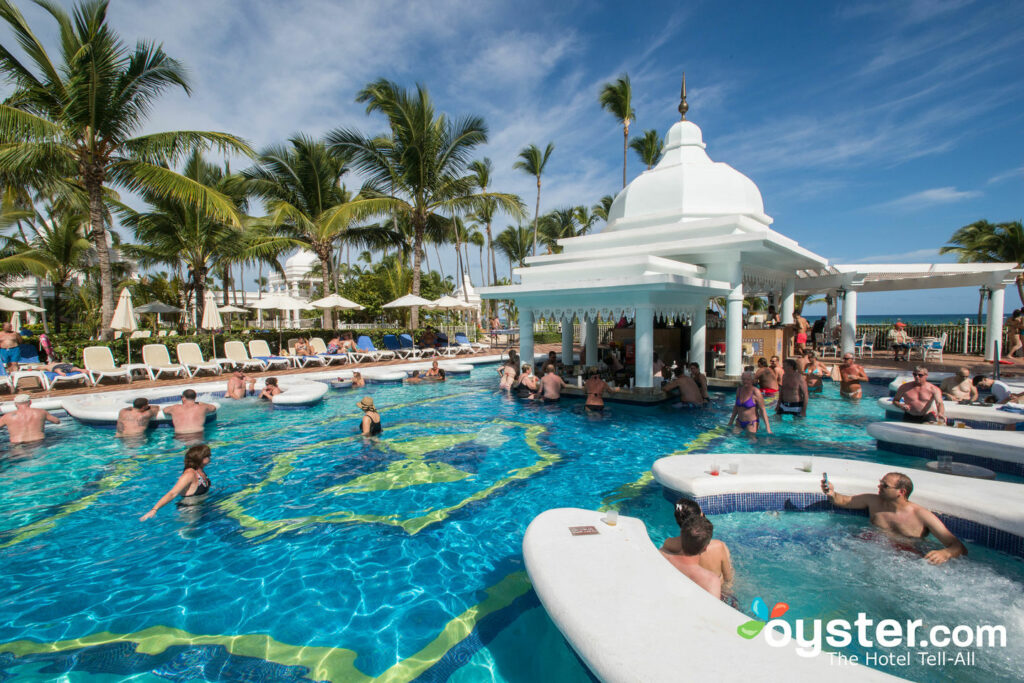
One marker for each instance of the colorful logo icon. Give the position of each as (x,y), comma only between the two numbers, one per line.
(760,609)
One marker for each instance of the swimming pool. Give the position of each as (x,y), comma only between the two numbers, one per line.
(321,556)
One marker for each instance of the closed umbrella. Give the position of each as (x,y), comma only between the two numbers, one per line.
(16,321)
(124,319)
(211,319)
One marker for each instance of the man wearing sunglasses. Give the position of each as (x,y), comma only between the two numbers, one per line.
(920,401)
(890,511)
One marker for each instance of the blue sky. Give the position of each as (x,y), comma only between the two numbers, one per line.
(874,130)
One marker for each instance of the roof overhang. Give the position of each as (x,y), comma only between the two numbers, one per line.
(895,277)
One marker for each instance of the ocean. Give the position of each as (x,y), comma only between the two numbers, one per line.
(910,319)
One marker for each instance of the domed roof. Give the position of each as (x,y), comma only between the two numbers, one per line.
(302,259)
(685,185)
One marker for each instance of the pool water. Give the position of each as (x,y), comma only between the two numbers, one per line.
(323,556)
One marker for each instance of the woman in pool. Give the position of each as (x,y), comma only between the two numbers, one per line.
(357,380)
(192,483)
(814,370)
(370,424)
(508,376)
(270,390)
(527,382)
(595,388)
(715,558)
(749,410)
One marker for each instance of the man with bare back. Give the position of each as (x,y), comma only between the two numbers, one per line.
(135,420)
(25,424)
(189,417)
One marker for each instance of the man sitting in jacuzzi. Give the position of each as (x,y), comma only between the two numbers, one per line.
(189,417)
(239,385)
(920,400)
(694,537)
(890,510)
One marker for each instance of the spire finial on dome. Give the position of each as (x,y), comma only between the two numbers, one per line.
(683,106)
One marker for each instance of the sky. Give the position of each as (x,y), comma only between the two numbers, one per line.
(873,129)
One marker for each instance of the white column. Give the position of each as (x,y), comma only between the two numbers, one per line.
(644,347)
(526,335)
(849,334)
(788,301)
(590,329)
(567,340)
(994,326)
(698,336)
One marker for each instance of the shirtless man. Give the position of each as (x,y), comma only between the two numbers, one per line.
(414,378)
(595,388)
(890,510)
(920,401)
(715,558)
(766,379)
(689,392)
(10,343)
(694,537)
(551,385)
(189,417)
(793,395)
(959,387)
(63,369)
(776,367)
(701,381)
(135,420)
(239,385)
(800,328)
(25,424)
(850,377)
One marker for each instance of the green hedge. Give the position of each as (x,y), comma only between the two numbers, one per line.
(70,350)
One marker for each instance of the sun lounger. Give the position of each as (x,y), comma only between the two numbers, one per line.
(236,353)
(464,343)
(321,350)
(367,349)
(142,334)
(392,344)
(156,357)
(407,343)
(304,360)
(260,350)
(53,378)
(99,363)
(5,379)
(191,358)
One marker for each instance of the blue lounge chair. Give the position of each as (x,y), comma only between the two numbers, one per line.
(392,344)
(408,345)
(367,349)
(470,347)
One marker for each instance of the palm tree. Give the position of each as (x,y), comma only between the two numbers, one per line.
(514,242)
(532,162)
(982,241)
(585,220)
(73,121)
(557,224)
(485,214)
(419,172)
(617,99)
(648,147)
(476,238)
(603,206)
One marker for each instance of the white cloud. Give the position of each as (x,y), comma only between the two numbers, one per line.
(1007,175)
(927,198)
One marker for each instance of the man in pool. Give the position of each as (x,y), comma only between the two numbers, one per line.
(25,424)
(551,385)
(135,420)
(414,378)
(921,401)
(239,384)
(959,387)
(189,417)
(689,392)
(694,537)
(793,394)
(715,558)
(850,377)
(766,379)
(701,380)
(891,511)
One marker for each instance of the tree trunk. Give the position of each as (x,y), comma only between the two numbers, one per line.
(458,259)
(93,178)
(58,289)
(440,264)
(417,258)
(325,279)
(483,275)
(536,215)
(200,277)
(625,146)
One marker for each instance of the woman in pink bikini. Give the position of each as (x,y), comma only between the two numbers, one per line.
(748,410)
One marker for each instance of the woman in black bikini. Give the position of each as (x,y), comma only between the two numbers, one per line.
(192,483)
(370,424)
(749,406)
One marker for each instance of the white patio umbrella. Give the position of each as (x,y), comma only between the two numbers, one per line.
(280,302)
(335,300)
(158,307)
(9,304)
(406,301)
(211,319)
(124,319)
(232,309)
(451,303)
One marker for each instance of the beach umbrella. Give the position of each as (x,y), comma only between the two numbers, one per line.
(158,307)
(407,301)
(16,321)
(9,304)
(124,319)
(335,300)
(451,303)
(232,309)
(280,302)
(211,319)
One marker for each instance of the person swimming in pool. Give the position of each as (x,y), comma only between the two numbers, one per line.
(694,537)
(192,483)
(766,378)
(25,424)
(371,424)
(135,419)
(814,371)
(508,374)
(527,382)
(920,400)
(357,380)
(715,558)
(891,510)
(793,396)
(414,378)
(701,380)
(189,417)
(434,372)
(239,385)
(689,393)
(749,409)
(596,389)
(551,385)
(850,377)
(270,389)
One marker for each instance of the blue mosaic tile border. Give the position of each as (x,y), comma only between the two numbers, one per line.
(1004,466)
(965,529)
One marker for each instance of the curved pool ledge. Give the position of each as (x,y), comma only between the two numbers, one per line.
(979,417)
(631,616)
(1001,451)
(986,512)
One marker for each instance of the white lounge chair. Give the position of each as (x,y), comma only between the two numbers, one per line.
(321,350)
(260,350)
(191,357)
(474,347)
(99,363)
(933,346)
(300,360)
(236,353)
(864,346)
(142,334)
(159,361)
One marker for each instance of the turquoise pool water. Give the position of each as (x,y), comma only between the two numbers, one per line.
(323,556)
